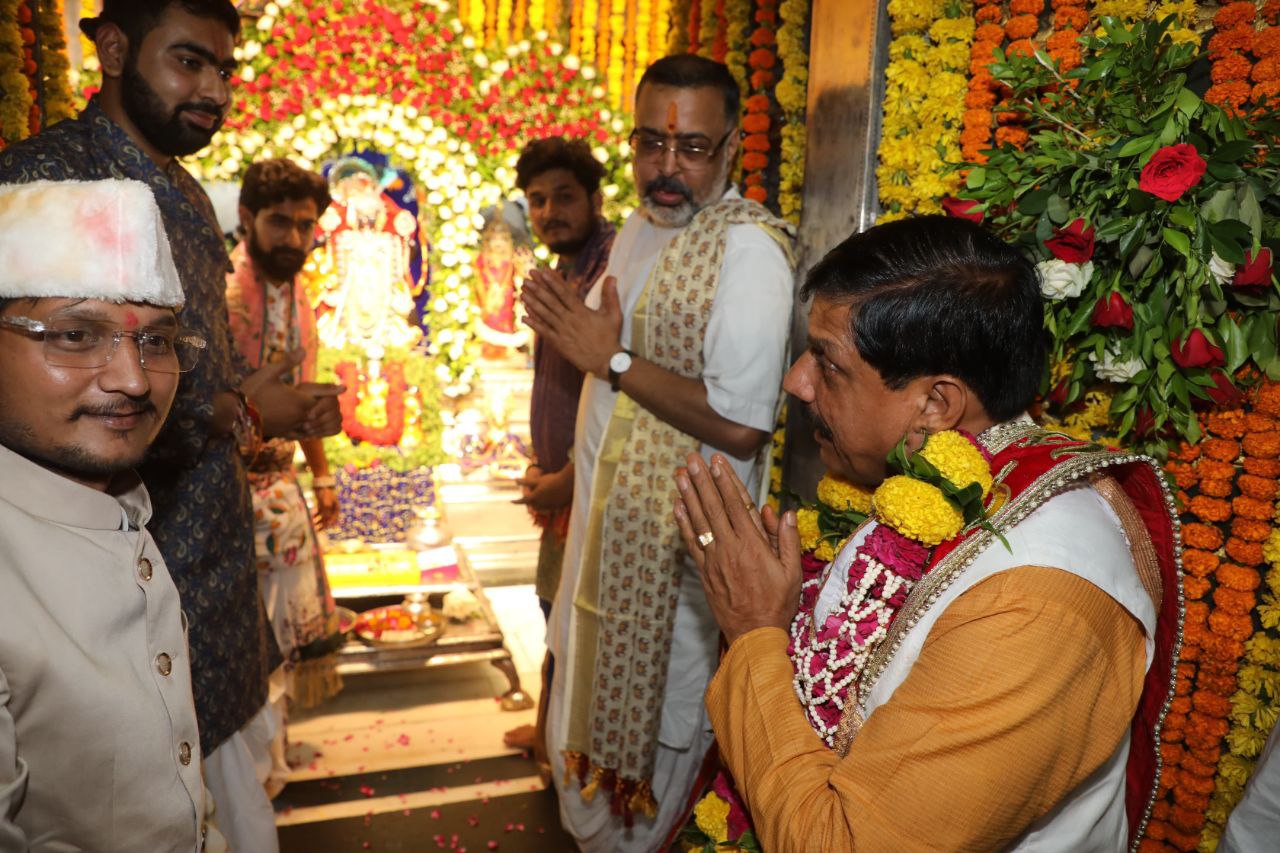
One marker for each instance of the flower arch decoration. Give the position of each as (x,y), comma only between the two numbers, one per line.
(321,78)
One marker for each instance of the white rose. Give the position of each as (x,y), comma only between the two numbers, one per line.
(1114,368)
(1222,271)
(1061,280)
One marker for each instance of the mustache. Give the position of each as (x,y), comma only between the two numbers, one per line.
(111,410)
(282,253)
(818,423)
(201,107)
(668,184)
(555,223)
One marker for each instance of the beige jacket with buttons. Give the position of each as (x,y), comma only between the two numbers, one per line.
(98,743)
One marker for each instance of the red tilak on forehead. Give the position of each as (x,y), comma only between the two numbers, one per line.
(672,114)
(130,320)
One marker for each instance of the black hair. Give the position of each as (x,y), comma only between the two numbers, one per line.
(136,18)
(269,182)
(690,71)
(556,152)
(934,295)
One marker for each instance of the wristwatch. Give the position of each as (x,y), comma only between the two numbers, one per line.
(619,363)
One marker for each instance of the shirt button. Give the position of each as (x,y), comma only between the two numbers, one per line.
(164,664)
(144,569)
(184,753)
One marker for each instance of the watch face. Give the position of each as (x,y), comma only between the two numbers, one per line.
(619,362)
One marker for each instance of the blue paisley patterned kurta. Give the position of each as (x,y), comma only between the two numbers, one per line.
(203,520)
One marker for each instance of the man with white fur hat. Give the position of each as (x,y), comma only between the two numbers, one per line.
(99,747)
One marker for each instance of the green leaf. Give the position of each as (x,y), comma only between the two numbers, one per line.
(1220,205)
(1183,215)
(1232,152)
(1250,211)
(1225,172)
(1228,239)
(1057,209)
(1188,102)
(976,178)
(1134,146)
(1233,344)
(1034,202)
(1179,241)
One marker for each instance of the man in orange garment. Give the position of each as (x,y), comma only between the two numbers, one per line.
(1015,700)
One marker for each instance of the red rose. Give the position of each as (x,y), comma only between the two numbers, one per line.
(1112,312)
(962,208)
(1224,392)
(1058,394)
(1194,350)
(1172,171)
(1255,271)
(1073,244)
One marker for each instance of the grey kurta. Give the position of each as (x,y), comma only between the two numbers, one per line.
(99,749)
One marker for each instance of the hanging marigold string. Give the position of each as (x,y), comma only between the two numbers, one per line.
(989,34)
(15,107)
(1227,483)
(792,96)
(757,121)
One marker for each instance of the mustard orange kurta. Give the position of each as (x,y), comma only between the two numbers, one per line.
(1026,685)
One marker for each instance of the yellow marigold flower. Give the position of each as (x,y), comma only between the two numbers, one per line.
(958,460)
(824,552)
(1246,742)
(711,815)
(917,510)
(807,526)
(841,494)
(1271,548)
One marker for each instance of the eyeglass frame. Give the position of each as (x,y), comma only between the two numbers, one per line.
(666,146)
(38,329)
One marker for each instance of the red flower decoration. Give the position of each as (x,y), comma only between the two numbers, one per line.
(1224,392)
(1073,244)
(962,208)
(1255,271)
(1194,350)
(1112,312)
(1172,171)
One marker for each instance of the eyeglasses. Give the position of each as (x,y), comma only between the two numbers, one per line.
(690,153)
(84,343)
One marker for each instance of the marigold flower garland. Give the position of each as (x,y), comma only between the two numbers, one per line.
(792,96)
(923,105)
(757,122)
(1227,482)
(980,100)
(15,107)
(55,68)
(1238,35)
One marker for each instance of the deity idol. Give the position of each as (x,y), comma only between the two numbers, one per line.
(500,267)
(367,295)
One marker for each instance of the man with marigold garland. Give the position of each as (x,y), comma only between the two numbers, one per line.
(684,338)
(985,663)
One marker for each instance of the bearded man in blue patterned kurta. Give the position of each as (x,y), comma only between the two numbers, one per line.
(166,71)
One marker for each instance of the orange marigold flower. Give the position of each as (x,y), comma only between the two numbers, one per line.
(757,104)
(1239,578)
(1021,47)
(1262,488)
(1226,424)
(1184,475)
(1250,530)
(1190,652)
(1221,654)
(1186,820)
(1196,535)
(1185,842)
(1063,4)
(1067,58)
(1070,18)
(1213,469)
(1231,626)
(1252,508)
(1196,783)
(1232,66)
(1271,12)
(1266,42)
(1062,39)
(1180,705)
(1197,802)
(755,123)
(1176,721)
(1230,41)
(1157,833)
(1267,400)
(1230,96)
(1197,767)
(1199,563)
(1234,602)
(1197,615)
(1026,7)
(1021,27)
(1266,91)
(1245,553)
(977,118)
(1209,509)
(1262,467)
(1194,588)
(753,161)
(989,14)
(1199,737)
(1015,136)
(1215,488)
(1265,445)
(985,39)
(1222,685)
(1259,422)
(1185,452)
(1222,449)
(980,99)
(1266,70)
(1234,14)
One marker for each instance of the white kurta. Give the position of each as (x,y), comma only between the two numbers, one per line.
(98,742)
(744,352)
